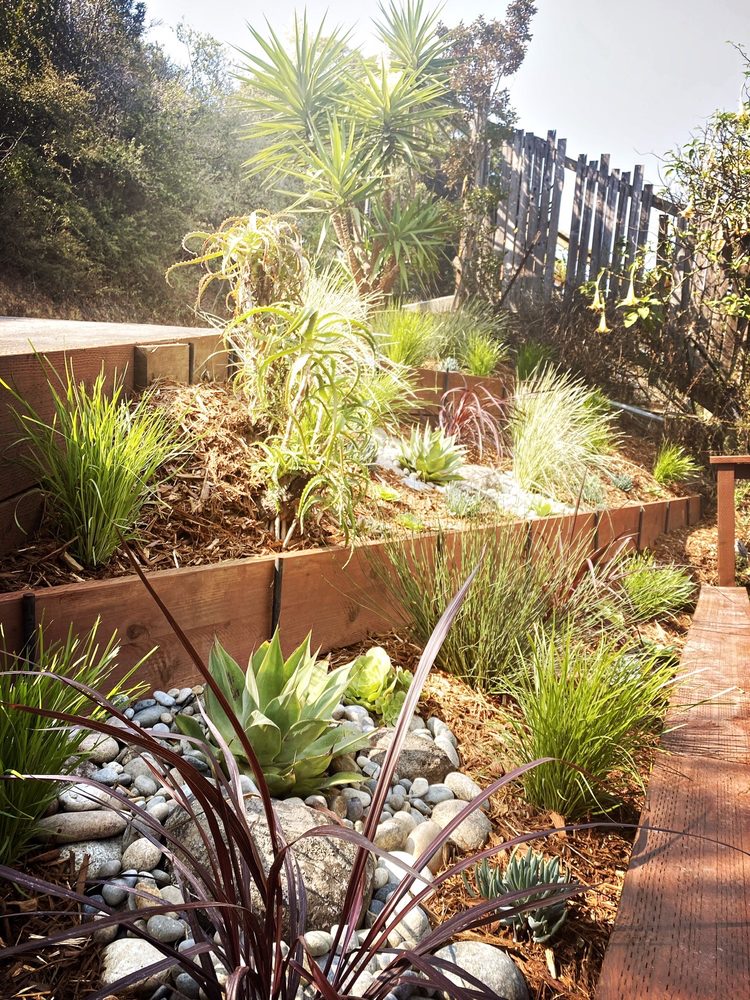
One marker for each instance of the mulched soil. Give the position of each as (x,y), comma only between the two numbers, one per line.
(67,972)
(209,509)
(569,967)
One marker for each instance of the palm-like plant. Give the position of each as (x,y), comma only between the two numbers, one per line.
(357,134)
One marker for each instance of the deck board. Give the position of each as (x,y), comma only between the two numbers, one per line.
(682,929)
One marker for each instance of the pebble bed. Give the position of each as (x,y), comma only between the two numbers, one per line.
(501,489)
(132,873)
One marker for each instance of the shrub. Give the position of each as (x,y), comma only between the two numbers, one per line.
(558,435)
(455,328)
(654,591)
(96,461)
(482,354)
(525,871)
(312,383)
(378,686)
(673,465)
(30,745)
(406,337)
(512,594)
(591,709)
(284,707)
(432,455)
(472,417)
(247,923)
(530,357)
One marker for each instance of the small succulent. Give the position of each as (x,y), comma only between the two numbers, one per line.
(432,455)
(450,365)
(377,685)
(542,507)
(463,503)
(622,481)
(525,871)
(285,707)
(593,494)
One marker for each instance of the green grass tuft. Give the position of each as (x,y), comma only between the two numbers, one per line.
(673,465)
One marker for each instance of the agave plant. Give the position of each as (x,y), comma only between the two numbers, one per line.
(285,709)
(528,871)
(432,455)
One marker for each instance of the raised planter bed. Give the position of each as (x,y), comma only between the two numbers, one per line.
(333,591)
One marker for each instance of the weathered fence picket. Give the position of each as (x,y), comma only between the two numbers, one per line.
(610,222)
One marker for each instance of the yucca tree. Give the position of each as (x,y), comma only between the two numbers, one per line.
(358,134)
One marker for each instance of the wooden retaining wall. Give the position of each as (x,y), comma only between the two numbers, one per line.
(138,354)
(333,592)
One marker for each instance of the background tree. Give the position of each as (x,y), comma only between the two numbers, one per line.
(109,153)
(359,135)
(482,56)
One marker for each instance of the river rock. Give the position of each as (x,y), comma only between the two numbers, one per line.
(82,798)
(68,828)
(141,855)
(325,862)
(471,834)
(105,856)
(462,786)
(99,748)
(166,929)
(128,955)
(420,838)
(491,966)
(419,758)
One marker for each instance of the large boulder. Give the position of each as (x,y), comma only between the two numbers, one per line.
(325,861)
(419,758)
(491,966)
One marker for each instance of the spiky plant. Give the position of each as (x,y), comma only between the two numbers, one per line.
(406,337)
(483,354)
(673,465)
(284,706)
(655,590)
(432,455)
(559,436)
(97,460)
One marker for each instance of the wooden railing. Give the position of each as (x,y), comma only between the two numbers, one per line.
(729,468)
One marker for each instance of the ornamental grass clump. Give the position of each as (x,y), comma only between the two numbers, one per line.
(512,594)
(247,920)
(284,706)
(97,460)
(35,746)
(653,590)
(590,707)
(673,465)
(560,433)
(473,417)
(482,354)
(406,337)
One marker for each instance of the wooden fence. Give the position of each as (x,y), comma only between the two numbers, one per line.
(610,222)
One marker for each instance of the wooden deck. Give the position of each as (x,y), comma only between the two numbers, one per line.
(683,926)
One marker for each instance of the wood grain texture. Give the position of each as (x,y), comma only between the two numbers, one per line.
(681,930)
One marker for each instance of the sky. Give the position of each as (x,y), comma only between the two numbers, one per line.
(630,79)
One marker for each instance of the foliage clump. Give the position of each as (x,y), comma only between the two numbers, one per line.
(590,707)
(673,465)
(378,686)
(97,460)
(560,433)
(284,706)
(655,590)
